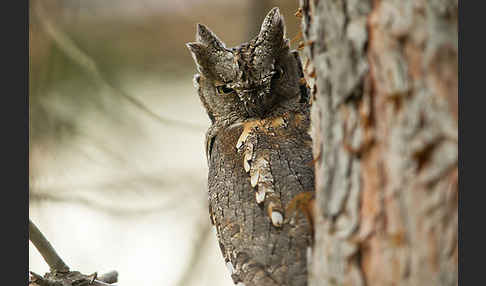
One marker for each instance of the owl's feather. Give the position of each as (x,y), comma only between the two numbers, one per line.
(259,152)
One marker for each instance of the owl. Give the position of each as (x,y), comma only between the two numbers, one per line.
(258,151)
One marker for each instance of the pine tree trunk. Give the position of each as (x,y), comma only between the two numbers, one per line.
(385,128)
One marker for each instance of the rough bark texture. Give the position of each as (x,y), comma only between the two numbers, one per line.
(384,83)
(257,252)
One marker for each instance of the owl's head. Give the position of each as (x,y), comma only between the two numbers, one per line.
(251,80)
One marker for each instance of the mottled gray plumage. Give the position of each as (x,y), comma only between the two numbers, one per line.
(258,151)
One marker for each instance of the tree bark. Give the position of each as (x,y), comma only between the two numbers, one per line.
(383,77)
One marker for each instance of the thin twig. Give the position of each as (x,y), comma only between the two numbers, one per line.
(109,277)
(46,250)
(57,265)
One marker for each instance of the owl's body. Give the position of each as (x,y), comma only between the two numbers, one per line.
(259,153)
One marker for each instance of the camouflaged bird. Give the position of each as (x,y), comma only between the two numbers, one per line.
(258,151)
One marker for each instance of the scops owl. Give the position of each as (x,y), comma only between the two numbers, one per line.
(259,153)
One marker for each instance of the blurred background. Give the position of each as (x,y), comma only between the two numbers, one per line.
(117,171)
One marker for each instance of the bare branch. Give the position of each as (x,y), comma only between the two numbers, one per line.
(60,274)
(109,277)
(70,278)
(46,250)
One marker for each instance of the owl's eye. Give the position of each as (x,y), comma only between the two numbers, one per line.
(223,89)
(278,73)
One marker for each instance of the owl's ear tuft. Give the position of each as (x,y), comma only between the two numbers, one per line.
(207,37)
(273,30)
(213,60)
(197,49)
(199,53)
(273,19)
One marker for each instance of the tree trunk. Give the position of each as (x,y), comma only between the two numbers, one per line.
(383,77)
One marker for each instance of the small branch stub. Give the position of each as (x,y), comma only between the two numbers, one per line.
(60,274)
(46,250)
